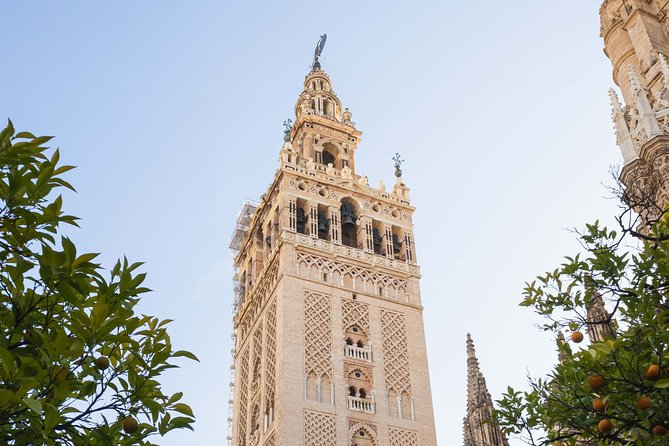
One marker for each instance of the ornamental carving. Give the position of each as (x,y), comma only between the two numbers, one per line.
(256,298)
(395,352)
(361,278)
(320,429)
(242,408)
(355,313)
(270,358)
(402,437)
(317,335)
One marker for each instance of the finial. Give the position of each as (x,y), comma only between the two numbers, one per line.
(398,164)
(616,106)
(634,80)
(317,53)
(287,124)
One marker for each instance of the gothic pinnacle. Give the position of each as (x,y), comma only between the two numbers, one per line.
(616,106)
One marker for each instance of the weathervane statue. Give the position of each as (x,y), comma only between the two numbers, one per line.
(319,49)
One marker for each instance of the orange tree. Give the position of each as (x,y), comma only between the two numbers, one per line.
(78,365)
(614,391)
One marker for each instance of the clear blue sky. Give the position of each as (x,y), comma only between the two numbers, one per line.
(172,110)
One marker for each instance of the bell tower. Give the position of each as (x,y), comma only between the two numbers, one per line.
(328,327)
(636,40)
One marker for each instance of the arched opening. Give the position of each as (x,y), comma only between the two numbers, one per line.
(330,154)
(362,436)
(359,381)
(349,223)
(406,405)
(359,344)
(349,341)
(392,403)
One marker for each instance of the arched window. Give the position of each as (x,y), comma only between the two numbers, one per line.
(349,341)
(330,154)
(362,393)
(352,391)
(359,344)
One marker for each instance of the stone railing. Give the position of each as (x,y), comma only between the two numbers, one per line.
(360,404)
(361,353)
(353,253)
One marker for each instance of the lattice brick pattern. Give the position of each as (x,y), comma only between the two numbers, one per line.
(242,409)
(317,334)
(253,302)
(256,361)
(319,429)
(270,356)
(395,352)
(270,441)
(402,437)
(357,273)
(355,313)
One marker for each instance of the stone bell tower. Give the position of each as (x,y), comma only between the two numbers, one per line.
(329,339)
(636,40)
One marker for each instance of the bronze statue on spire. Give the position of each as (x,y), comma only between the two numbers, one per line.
(317,53)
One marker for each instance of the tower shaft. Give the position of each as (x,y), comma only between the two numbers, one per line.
(330,340)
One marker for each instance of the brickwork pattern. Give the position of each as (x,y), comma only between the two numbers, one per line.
(319,429)
(402,437)
(395,352)
(318,334)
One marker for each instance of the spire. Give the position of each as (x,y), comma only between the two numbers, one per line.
(623,135)
(616,106)
(599,323)
(478,430)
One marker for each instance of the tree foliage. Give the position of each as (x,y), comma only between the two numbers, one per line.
(629,269)
(76,360)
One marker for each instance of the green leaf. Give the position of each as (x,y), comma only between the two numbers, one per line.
(33,405)
(662,383)
(186,354)
(184,409)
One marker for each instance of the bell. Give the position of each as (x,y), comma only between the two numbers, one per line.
(397,245)
(301,217)
(377,237)
(348,216)
(323,223)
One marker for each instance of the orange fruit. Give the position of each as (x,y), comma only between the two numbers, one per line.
(653,372)
(577,337)
(643,403)
(130,425)
(660,430)
(598,405)
(604,426)
(102,363)
(596,382)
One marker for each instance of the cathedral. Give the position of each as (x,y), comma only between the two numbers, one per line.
(328,344)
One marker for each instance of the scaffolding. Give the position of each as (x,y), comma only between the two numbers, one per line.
(239,236)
